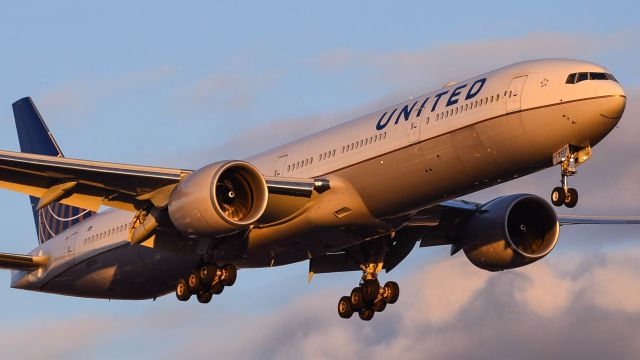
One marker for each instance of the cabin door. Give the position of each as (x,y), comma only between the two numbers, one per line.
(514,95)
(70,244)
(280,164)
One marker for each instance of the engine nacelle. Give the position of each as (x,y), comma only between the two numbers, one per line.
(510,232)
(218,199)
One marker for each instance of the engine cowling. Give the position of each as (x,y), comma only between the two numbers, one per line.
(218,199)
(510,232)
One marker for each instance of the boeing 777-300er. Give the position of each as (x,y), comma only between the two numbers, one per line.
(355,197)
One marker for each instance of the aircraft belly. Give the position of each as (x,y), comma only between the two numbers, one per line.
(127,272)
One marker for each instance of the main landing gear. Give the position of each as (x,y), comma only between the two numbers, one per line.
(369,297)
(206,281)
(569,158)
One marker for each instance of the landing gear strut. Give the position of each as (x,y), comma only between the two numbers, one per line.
(369,297)
(207,280)
(569,158)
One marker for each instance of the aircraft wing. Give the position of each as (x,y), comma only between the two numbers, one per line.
(597,220)
(22,262)
(90,184)
(436,226)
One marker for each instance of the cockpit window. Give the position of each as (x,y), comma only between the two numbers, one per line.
(582,76)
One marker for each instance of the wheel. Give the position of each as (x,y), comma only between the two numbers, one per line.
(357,300)
(366,314)
(391,292)
(217,287)
(204,297)
(194,283)
(370,290)
(379,305)
(206,273)
(230,275)
(344,307)
(558,196)
(571,199)
(182,290)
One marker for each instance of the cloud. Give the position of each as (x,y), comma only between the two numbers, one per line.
(447,310)
(426,68)
(77,97)
(228,91)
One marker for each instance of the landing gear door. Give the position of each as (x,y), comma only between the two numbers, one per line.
(280,164)
(514,95)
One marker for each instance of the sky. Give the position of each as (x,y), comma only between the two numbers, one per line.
(184,85)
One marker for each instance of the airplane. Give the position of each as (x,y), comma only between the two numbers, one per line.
(355,197)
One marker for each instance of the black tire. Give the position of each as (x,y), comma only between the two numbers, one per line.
(204,297)
(558,196)
(206,273)
(366,314)
(217,287)
(571,199)
(357,299)
(345,310)
(230,275)
(391,292)
(194,283)
(370,290)
(182,290)
(379,305)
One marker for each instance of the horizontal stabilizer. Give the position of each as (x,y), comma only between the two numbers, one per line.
(22,262)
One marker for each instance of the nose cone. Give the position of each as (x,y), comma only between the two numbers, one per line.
(617,101)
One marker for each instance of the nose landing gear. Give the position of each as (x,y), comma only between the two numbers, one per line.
(206,281)
(569,158)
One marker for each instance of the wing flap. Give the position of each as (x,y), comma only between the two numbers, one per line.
(99,183)
(22,262)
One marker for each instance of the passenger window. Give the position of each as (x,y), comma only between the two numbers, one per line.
(288,168)
(497,97)
(437,117)
(333,152)
(310,161)
(491,99)
(466,107)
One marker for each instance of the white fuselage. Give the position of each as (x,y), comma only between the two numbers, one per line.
(444,144)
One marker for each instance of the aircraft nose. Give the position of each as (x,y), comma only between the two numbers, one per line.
(618,100)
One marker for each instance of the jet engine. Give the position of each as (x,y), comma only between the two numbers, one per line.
(218,199)
(510,232)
